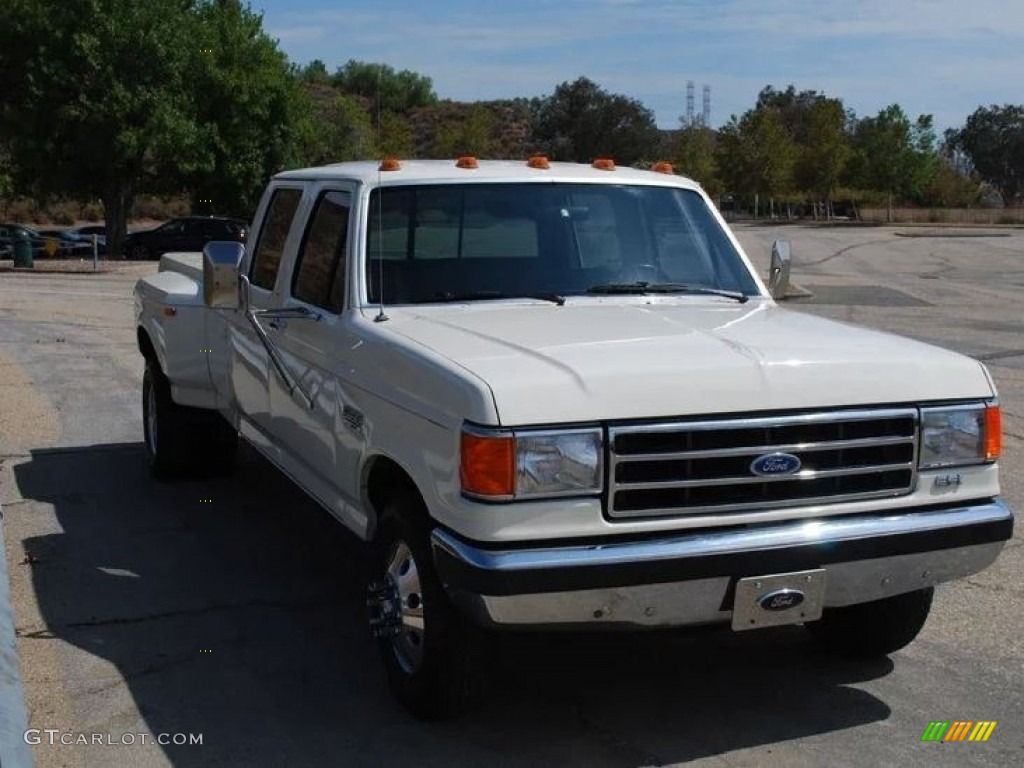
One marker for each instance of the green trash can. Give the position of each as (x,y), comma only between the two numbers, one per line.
(22,250)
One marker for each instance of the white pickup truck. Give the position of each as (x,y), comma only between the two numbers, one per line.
(554,395)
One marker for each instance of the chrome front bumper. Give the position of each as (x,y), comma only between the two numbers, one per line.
(690,579)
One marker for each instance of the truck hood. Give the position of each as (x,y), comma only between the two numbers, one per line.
(590,360)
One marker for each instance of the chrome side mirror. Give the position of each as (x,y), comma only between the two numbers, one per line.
(221,262)
(778,273)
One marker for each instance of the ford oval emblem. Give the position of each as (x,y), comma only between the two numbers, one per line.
(774,464)
(781,600)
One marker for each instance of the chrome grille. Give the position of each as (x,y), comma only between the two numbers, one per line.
(706,466)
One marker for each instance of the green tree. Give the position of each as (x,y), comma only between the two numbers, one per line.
(6,174)
(246,109)
(993,139)
(693,155)
(950,189)
(796,109)
(101,96)
(334,128)
(383,87)
(823,155)
(468,132)
(581,121)
(895,155)
(93,90)
(395,137)
(315,73)
(756,155)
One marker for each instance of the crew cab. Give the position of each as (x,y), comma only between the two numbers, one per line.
(554,395)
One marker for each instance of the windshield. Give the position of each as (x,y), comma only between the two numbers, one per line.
(433,243)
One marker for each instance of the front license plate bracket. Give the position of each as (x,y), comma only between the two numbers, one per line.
(778,599)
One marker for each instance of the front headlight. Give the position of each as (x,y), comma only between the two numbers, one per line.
(503,465)
(959,435)
(558,463)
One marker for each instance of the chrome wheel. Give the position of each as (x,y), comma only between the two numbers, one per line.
(397,607)
(151,418)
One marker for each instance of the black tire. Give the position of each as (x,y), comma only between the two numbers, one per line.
(871,630)
(434,667)
(139,253)
(179,440)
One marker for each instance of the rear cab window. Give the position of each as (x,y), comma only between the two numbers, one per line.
(319,274)
(274,229)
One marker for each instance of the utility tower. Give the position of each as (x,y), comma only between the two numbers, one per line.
(705,112)
(689,102)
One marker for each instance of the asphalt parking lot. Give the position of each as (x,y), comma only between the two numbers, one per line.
(233,608)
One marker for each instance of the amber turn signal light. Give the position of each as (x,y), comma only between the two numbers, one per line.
(993,433)
(487,465)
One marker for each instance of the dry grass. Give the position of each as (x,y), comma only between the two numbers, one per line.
(68,212)
(984,216)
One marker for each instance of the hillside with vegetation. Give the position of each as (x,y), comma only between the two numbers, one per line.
(191,106)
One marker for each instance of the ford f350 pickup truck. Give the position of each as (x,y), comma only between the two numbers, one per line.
(558,396)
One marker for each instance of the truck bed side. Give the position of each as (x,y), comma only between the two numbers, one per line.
(169,311)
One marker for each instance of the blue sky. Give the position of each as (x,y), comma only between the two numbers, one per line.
(940,57)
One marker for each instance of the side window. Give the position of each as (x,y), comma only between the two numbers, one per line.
(320,271)
(172,228)
(273,234)
(213,229)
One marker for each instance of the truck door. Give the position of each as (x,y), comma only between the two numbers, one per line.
(250,367)
(312,415)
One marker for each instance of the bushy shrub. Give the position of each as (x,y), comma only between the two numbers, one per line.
(160,208)
(22,210)
(91,211)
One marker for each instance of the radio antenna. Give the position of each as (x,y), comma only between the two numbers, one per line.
(381,317)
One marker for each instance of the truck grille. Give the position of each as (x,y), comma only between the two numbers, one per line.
(707,466)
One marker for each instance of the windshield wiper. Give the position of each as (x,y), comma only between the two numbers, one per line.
(554,298)
(641,288)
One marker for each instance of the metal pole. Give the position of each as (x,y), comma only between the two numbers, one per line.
(95,254)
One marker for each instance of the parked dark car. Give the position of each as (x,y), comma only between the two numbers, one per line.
(10,232)
(185,234)
(87,231)
(69,243)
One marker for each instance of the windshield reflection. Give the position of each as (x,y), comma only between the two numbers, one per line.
(430,243)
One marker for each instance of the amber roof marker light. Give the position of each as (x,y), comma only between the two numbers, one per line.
(603,164)
(389,164)
(540,162)
(468,162)
(663,167)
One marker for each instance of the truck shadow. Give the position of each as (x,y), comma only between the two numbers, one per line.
(234,608)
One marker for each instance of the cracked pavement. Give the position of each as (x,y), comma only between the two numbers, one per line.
(140,609)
